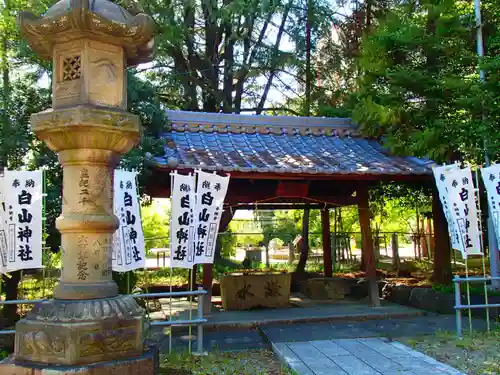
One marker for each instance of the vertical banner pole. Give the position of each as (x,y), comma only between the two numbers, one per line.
(190,283)
(44,223)
(171,270)
(458,302)
(21,307)
(1,274)
(481,239)
(170,314)
(468,293)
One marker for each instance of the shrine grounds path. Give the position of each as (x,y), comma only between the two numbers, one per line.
(356,347)
(363,356)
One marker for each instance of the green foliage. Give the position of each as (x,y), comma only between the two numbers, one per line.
(393,206)
(228,244)
(475,290)
(255,362)
(420,87)
(226,56)
(3,354)
(126,281)
(156,225)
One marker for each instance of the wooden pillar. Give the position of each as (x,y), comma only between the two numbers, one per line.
(430,236)
(395,252)
(327,248)
(291,253)
(441,273)
(367,244)
(304,245)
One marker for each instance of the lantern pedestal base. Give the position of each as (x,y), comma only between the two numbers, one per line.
(145,364)
(77,332)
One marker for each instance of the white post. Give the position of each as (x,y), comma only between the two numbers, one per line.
(492,241)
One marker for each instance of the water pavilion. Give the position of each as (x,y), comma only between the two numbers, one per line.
(284,162)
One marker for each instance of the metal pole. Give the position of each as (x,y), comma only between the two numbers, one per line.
(199,335)
(458,312)
(492,241)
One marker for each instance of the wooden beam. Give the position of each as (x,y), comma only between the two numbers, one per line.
(367,244)
(286,206)
(317,176)
(327,248)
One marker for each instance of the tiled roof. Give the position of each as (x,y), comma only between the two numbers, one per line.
(277,144)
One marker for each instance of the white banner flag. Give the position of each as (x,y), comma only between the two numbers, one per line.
(22,227)
(462,200)
(440,175)
(128,241)
(210,193)
(491,178)
(182,223)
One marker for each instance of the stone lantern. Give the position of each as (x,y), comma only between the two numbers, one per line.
(91,43)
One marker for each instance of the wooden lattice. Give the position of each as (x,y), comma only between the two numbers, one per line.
(72,68)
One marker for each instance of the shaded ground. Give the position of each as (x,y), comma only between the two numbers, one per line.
(246,350)
(475,355)
(390,328)
(254,362)
(231,339)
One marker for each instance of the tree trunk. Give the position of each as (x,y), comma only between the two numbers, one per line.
(395,253)
(11,287)
(190,94)
(277,43)
(308,58)
(211,73)
(249,57)
(266,244)
(11,284)
(441,273)
(304,249)
(327,248)
(227,92)
(367,244)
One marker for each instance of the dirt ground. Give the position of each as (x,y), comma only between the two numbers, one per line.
(478,354)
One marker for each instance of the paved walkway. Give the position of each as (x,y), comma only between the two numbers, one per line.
(367,356)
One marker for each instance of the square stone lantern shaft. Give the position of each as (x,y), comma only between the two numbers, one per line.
(91,43)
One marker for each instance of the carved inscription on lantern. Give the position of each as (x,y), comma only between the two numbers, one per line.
(106,69)
(101,250)
(42,343)
(113,340)
(82,262)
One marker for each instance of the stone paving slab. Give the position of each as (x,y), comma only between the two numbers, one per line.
(367,356)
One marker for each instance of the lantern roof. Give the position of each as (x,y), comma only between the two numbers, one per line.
(101,20)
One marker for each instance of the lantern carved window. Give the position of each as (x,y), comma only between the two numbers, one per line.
(72,68)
